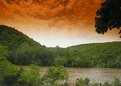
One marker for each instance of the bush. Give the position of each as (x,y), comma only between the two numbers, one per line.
(8,73)
(55,76)
(106,84)
(82,82)
(11,75)
(29,76)
(116,82)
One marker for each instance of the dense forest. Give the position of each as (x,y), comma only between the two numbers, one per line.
(90,55)
(23,50)
(19,49)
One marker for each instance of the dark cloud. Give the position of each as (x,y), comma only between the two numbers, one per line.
(55,22)
(72,10)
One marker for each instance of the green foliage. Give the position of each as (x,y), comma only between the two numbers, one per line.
(95,84)
(11,75)
(91,55)
(116,82)
(97,54)
(13,38)
(82,82)
(27,54)
(22,49)
(29,76)
(55,76)
(106,84)
(3,52)
(85,82)
(60,61)
(8,73)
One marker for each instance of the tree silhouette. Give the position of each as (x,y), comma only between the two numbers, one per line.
(108,16)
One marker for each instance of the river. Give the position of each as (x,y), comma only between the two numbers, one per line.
(98,75)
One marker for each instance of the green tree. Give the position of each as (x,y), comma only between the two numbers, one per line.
(22,49)
(12,75)
(29,76)
(3,52)
(26,54)
(55,76)
(108,16)
(8,73)
(60,61)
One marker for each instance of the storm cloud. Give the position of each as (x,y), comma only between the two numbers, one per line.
(55,22)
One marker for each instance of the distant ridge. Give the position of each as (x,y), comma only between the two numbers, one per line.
(107,55)
(94,43)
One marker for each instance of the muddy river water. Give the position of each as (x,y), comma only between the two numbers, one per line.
(98,75)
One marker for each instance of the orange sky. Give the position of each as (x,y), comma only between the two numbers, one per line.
(55,22)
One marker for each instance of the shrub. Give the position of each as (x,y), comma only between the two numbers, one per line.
(55,76)
(82,82)
(116,82)
(29,76)
(8,73)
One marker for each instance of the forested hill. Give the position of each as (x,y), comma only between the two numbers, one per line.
(13,38)
(22,49)
(91,55)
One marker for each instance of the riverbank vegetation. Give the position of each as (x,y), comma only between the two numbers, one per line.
(12,75)
(86,82)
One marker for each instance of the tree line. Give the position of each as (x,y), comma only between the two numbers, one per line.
(22,50)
